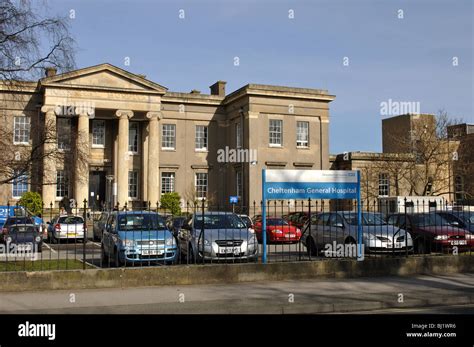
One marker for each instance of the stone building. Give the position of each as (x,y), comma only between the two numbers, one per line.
(141,140)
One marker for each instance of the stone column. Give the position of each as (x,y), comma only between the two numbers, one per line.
(153,181)
(49,162)
(123,156)
(81,169)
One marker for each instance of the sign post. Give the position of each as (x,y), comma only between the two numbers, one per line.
(310,184)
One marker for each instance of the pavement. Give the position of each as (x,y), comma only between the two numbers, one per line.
(360,295)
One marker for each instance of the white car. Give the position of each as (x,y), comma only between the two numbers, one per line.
(66,227)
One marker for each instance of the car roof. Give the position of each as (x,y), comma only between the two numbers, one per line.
(212,213)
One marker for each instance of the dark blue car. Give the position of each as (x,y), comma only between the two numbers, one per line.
(138,236)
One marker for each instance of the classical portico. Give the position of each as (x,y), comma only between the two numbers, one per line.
(114,97)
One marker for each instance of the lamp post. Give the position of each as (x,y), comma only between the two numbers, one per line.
(110,203)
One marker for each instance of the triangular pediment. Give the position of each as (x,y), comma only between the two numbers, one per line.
(103,77)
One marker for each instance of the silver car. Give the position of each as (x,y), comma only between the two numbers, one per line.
(216,236)
(66,227)
(330,229)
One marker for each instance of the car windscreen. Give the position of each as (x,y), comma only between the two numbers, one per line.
(23,220)
(369,219)
(128,222)
(276,221)
(429,220)
(466,217)
(219,221)
(70,220)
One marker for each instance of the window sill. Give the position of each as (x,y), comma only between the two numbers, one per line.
(98,146)
(21,143)
(302,147)
(168,149)
(201,150)
(275,146)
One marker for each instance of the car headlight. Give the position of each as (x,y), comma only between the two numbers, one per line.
(170,241)
(9,239)
(371,237)
(206,242)
(277,231)
(128,243)
(37,238)
(469,236)
(441,237)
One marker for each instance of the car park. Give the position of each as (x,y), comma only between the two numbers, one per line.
(66,227)
(216,236)
(278,230)
(342,228)
(137,237)
(431,232)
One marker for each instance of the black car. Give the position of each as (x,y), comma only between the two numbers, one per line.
(99,226)
(22,233)
(176,223)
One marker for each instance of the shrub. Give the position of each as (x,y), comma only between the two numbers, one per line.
(32,202)
(171,201)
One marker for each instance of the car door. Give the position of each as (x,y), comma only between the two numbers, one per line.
(319,229)
(106,237)
(336,231)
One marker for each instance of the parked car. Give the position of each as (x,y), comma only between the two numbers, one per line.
(459,219)
(431,232)
(278,231)
(216,236)
(22,233)
(66,227)
(137,237)
(99,225)
(342,228)
(20,211)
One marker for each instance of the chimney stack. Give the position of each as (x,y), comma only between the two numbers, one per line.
(195,91)
(218,88)
(50,71)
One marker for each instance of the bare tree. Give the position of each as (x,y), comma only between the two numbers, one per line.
(31,40)
(429,172)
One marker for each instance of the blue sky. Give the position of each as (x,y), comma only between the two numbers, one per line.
(407,59)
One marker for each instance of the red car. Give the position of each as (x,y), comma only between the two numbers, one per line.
(278,230)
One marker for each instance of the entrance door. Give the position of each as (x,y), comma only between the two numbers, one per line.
(96,189)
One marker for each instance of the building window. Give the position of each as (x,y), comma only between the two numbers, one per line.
(302,134)
(238,135)
(133,137)
(384,184)
(62,184)
(19,184)
(459,188)
(276,134)
(168,136)
(201,137)
(133,184)
(201,185)
(63,133)
(167,182)
(98,133)
(21,130)
(238,183)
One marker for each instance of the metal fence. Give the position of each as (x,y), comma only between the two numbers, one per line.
(84,238)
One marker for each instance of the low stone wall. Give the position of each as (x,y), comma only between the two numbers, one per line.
(232,273)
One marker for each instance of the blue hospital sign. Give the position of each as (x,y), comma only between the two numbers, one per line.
(314,184)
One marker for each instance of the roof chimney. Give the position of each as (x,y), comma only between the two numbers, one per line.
(50,71)
(218,88)
(195,91)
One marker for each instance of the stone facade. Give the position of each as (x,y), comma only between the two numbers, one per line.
(139,139)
